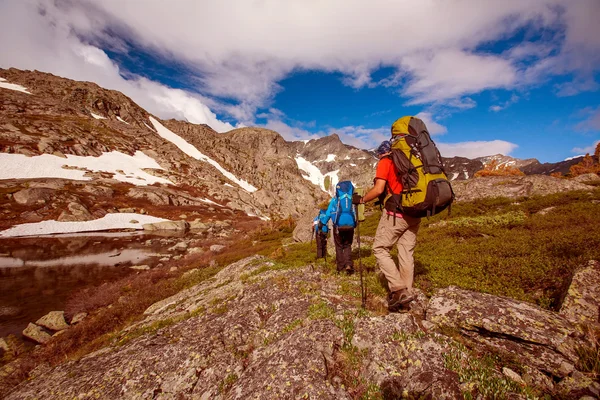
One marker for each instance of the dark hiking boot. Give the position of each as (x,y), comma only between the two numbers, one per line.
(398,299)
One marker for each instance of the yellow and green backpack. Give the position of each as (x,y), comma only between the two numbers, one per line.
(426,189)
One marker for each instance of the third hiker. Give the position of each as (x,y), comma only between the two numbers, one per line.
(320,230)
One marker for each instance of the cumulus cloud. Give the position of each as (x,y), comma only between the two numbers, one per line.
(499,107)
(591,120)
(434,127)
(476,148)
(236,52)
(49,45)
(586,150)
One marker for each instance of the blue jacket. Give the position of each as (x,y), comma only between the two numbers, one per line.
(323,218)
(331,212)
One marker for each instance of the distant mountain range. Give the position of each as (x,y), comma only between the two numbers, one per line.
(65,128)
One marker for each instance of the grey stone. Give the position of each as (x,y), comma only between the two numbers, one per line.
(216,248)
(140,267)
(167,225)
(36,333)
(54,320)
(582,302)
(78,318)
(33,196)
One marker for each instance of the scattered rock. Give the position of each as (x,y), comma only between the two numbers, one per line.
(128,210)
(190,272)
(546,210)
(33,196)
(140,267)
(198,225)
(54,320)
(4,345)
(195,250)
(512,375)
(36,333)
(167,225)
(181,246)
(216,248)
(78,318)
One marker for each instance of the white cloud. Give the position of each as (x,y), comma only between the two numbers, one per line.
(49,45)
(499,107)
(586,150)
(591,121)
(434,127)
(476,148)
(239,57)
(243,54)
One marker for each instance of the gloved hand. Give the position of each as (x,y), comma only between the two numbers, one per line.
(356,198)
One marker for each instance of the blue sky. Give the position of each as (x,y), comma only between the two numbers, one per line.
(515,77)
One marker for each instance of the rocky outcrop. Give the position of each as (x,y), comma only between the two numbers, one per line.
(513,187)
(582,301)
(259,329)
(542,339)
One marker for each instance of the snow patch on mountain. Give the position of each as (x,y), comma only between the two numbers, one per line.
(315,175)
(125,168)
(109,221)
(193,152)
(122,120)
(12,86)
(97,116)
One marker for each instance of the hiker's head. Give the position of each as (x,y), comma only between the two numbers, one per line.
(384,149)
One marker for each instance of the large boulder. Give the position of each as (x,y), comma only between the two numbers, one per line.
(303,231)
(54,320)
(36,333)
(582,301)
(542,338)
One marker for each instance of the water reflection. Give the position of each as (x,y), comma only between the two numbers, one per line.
(37,275)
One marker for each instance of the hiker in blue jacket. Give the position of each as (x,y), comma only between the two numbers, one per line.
(320,230)
(343,218)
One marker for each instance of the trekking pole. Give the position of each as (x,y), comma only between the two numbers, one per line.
(363,289)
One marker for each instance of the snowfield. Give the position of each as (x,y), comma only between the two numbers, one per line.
(109,221)
(315,175)
(193,152)
(125,168)
(12,86)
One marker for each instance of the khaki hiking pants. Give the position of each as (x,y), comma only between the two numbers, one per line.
(404,235)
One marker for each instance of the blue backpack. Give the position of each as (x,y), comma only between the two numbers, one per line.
(344,216)
(322,222)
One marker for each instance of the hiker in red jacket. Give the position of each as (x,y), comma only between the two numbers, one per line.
(393,229)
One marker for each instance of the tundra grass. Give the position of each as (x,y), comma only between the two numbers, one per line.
(525,249)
